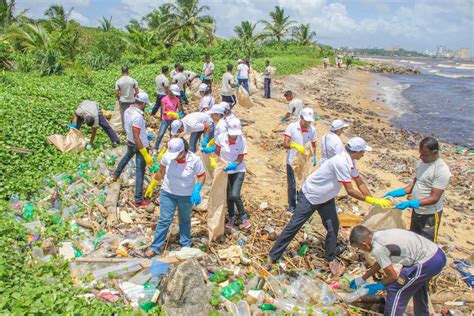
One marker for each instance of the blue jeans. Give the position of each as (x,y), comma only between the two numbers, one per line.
(196,136)
(245,83)
(157,105)
(266,86)
(183,98)
(132,150)
(161,133)
(168,204)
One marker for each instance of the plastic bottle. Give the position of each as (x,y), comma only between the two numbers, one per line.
(219,276)
(360,292)
(268,307)
(302,251)
(291,306)
(232,289)
(98,239)
(28,211)
(14,201)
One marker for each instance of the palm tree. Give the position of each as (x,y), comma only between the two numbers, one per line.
(58,16)
(7,16)
(134,25)
(159,17)
(31,37)
(247,38)
(279,25)
(246,29)
(303,34)
(188,25)
(106,24)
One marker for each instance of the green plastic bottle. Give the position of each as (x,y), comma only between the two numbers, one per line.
(302,251)
(268,307)
(98,238)
(219,276)
(147,306)
(28,211)
(232,289)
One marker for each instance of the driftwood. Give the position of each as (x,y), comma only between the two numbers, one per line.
(88,224)
(111,204)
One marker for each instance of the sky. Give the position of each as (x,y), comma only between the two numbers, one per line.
(411,24)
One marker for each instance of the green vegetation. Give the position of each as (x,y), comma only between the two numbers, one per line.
(389,53)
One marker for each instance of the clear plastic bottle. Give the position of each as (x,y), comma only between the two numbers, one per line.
(360,292)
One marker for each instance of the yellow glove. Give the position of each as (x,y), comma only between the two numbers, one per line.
(212,142)
(298,147)
(213,162)
(146,155)
(162,152)
(151,187)
(173,115)
(383,203)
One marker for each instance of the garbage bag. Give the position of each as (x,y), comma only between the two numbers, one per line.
(217,203)
(302,167)
(206,188)
(194,93)
(243,98)
(115,120)
(72,142)
(383,218)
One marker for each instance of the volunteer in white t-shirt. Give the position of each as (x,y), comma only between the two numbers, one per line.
(231,147)
(243,75)
(207,100)
(179,190)
(207,73)
(228,84)
(137,143)
(427,191)
(326,62)
(89,112)
(197,123)
(126,88)
(162,86)
(267,79)
(318,194)
(331,143)
(295,107)
(297,135)
(421,260)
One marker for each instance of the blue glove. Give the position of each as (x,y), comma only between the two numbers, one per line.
(181,114)
(411,204)
(150,137)
(73,125)
(231,166)
(315,161)
(208,150)
(196,195)
(202,77)
(205,140)
(356,283)
(283,118)
(396,193)
(237,86)
(374,288)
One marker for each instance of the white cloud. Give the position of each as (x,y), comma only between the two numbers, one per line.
(75,15)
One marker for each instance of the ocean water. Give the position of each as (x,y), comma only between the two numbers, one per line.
(439,102)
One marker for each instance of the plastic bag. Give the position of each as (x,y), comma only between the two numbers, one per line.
(116,120)
(243,98)
(73,142)
(217,203)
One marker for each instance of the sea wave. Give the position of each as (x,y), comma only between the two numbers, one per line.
(393,95)
(462,66)
(453,76)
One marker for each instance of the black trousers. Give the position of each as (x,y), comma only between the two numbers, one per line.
(426,225)
(304,211)
(234,198)
(291,181)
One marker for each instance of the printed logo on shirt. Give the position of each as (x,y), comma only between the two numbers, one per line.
(401,281)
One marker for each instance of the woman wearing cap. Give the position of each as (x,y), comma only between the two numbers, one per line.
(331,143)
(207,100)
(243,75)
(172,109)
(219,124)
(179,190)
(232,148)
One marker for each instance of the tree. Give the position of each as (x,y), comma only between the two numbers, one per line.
(279,25)
(245,30)
(59,18)
(247,38)
(303,34)
(158,17)
(7,16)
(187,24)
(134,25)
(106,24)
(31,37)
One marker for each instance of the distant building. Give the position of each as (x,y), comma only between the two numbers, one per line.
(463,53)
(441,51)
(395,48)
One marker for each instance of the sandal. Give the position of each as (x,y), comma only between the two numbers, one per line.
(150,252)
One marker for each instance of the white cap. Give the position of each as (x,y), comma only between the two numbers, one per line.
(175,89)
(175,146)
(225,105)
(338,124)
(358,144)
(307,114)
(240,61)
(216,109)
(142,97)
(202,87)
(234,127)
(175,126)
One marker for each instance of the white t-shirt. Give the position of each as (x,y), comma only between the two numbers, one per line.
(428,176)
(190,75)
(294,108)
(231,152)
(295,132)
(208,69)
(133,119)
(173,73)
(220,127)
(194,122)
(331,145)
(227,80)
(180,177)
(268,73)
(180,80)
(162,82)
(88,107)
(126,85)
(402,247)
(242,71)
(324,184)
(206,103)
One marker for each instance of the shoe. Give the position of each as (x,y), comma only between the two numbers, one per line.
(246,224)
(290,209)
(340,249)
(230,223)
(142,203)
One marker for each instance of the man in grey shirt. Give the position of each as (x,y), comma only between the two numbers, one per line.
(427,191)
(126,88)
(421,260)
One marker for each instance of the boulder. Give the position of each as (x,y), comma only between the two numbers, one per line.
(184,291)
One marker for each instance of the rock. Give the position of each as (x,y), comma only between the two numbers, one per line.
(187,253)
(184,291)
